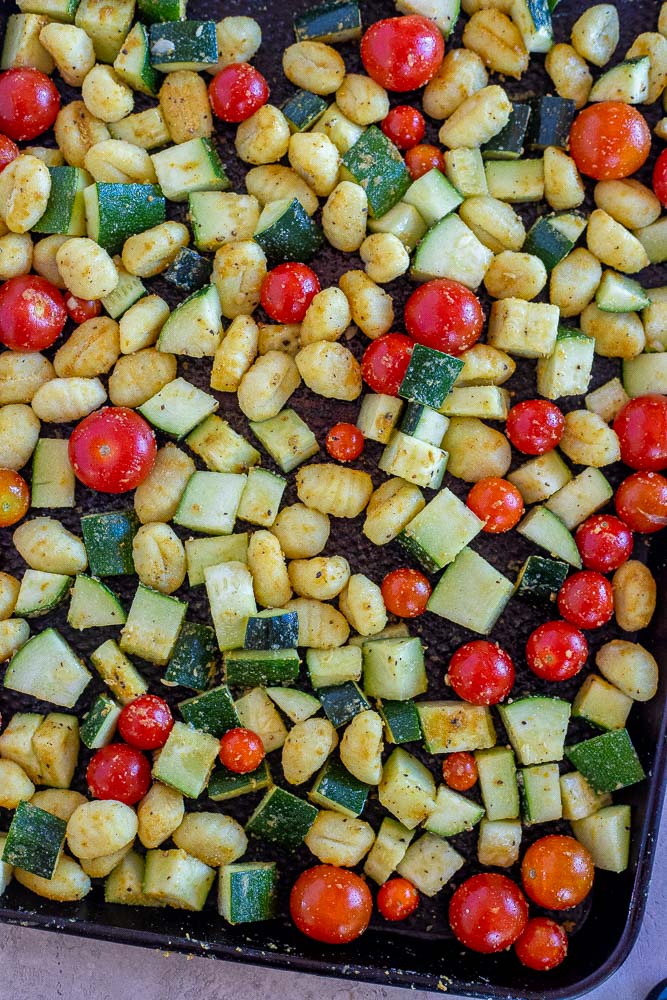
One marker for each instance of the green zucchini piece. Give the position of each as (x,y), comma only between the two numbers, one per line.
(376,165)
(450,726)
(162,10)
(579,498)
(108,539)
(407,789)
(295,704)
(220,447)
(282,818)
(430,376)
(224,784)
(394,668)
(133,63)
(178,45)
(177,879)
(328,667)
(46,667)
(186,760)
(540,579)
(450,249)
(341,702)
(402,221)
(546,241)
(153,623)
(65,211)
(261,497)
(578,798)
(286,232)
(53,479)
(192,663)
(252,667)
(98,726)
(540,793)
(129,290)
(190,166)
(40,592)
(608,762)
(444,13)
(601,704)
(212,712)
(34,840)
(545,528)
(287,438)
(332,22)
(335,788)
(465,170)
(248,892)
(56,10)
(568,371)
(433,196)
(178,407)
(497,782)
(303,110)
(194,327)
(536,727)
(515,181)
(550,121)
(628,82)
(124,886)
(617,293)
(273,629)
(389,849)
(453,814)
(424,423)
(533,19)
(606,834)
(146,129)
(424,539)
(93,605)
(471,592)
(106,24)
(508,144)
(430,863)
(401,720)
(654,240)
(646,374)
(188,271)
(201,553)
(378,416)
(114,212)
(230,594)
(118,673)
(414,460)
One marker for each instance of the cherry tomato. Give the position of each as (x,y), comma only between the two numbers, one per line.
(642,431)
(586,599)
(604,542)
(496,502)
(459,771)
(120,772)
(488,912)
(557,872)
(14,497)
(405,592)
(237,92)
(610,140)
(8,151)
(397,899)
(641,501)
(345,442)
(288,290)
(404,126)
(556,651)
(535,426)
(543,944)
(32,313)
(29,103)
(241,750)
(146,722)
(402,53)
(445,315)
(660,178)
(481,672)
(112,450)
(386,361)
(80,310)
(420,159)
(330,904)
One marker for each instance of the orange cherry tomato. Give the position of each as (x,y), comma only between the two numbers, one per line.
(14,497)
(557,872)
(496,502)
(543,944)
(420,159)
(397,899)
(610,140)
(241,750)
(331,904)
(459,771)
(405,592)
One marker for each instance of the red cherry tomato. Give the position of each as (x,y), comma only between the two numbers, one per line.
(241,750)
(14,497)
(641,501)
(610,140)
(288,290)
(386,361)
(146,722)
(481,672)
(237,92)
(586,599)
(496,502)
(556,651)
(543,944)
(404,126)
(420,159)
(660,178)
(488,912)
(112,450)
(642,431)
(120,772)
(345,442)
(397,899)
(81,310)
(557,872)
(604,543)
(402,53)
(29,103)
(330,904)
(405,592)
(8,151)
(32,313)
(535,426)
(459,771)
(445,315)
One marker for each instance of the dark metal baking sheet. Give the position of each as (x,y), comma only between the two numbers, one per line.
(421,952)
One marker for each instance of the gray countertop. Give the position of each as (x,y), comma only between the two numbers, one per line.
(39,965)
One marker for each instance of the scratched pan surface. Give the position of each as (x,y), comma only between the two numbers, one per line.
(420,952)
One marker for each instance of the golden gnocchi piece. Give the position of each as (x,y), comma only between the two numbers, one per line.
(498,42)
(361,747)
(21,375)
(322,577)
(301,531)
(72,51)
(68,884)
(76,130)
(515,275)
(15,255)
(239,38)
(307,747)
(362,100)
(385,257)
(44,258)
(329,369)
(140,325)
(327,317)
(475,450)
(574,282)
(159,814)
(45,544)
(238,272)
(635,595)
(321,626)
(391,507)
(101,827)
(372,308)
(315,158)
(185,106)
(136,377)
(314,66)
(617,335)
(339,840)
(333,489)
(115,161)
(159,557)
(9,591)
(362,604)
(266,563)
(213,838)
(25,186)
(345,215)
(92,349)
(264,137)
(15,785)
(62,400)
(588,440)
(570,73)
(273,182)
(462,73)
(19,431)
(105,95)
(152,251)
(157,498)
(267,385)
(235,354)
(86,268)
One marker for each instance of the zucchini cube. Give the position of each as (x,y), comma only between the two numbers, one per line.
(498,782)
(211,712)
(601,704)
(178,407)
(328,667)
(295,704)
(282,818)
(194,327)
(287,438)
(56,745)
(189,271)
(226,784)
(536,727)
(430,376)
(221,447)
(53,480)
(540,579)
(453,814)
(450,726)
(34,841)
(540,793)
(286,232)
(401,720)
(394,668)
(567,372)
(186,760)
(99,724)
(261,497)
(303,110)
(578,798)
(272,629)
(46,667)
(550,122)
(606,834)
(389,849)
(413,460)
(210,502)
(424,538)
(201,553)
(190,166)
(580,497)
(192,662)
(499,842)
(376,165)
(176,45)
(108,539)
(341,702)
(608,762)
(508,144)
(118,673)
(524,329)
(65,212)
(332,22)
(153,624)
(162,10)
(93,605)
(407,789)
(177,879)
(335,788)
(430,863)
(471,592)
(251,667)
(248,892)
(114,212)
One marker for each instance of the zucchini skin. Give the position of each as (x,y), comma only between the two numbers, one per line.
(108,539)
(332,22)
(189,271)
(550,122)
